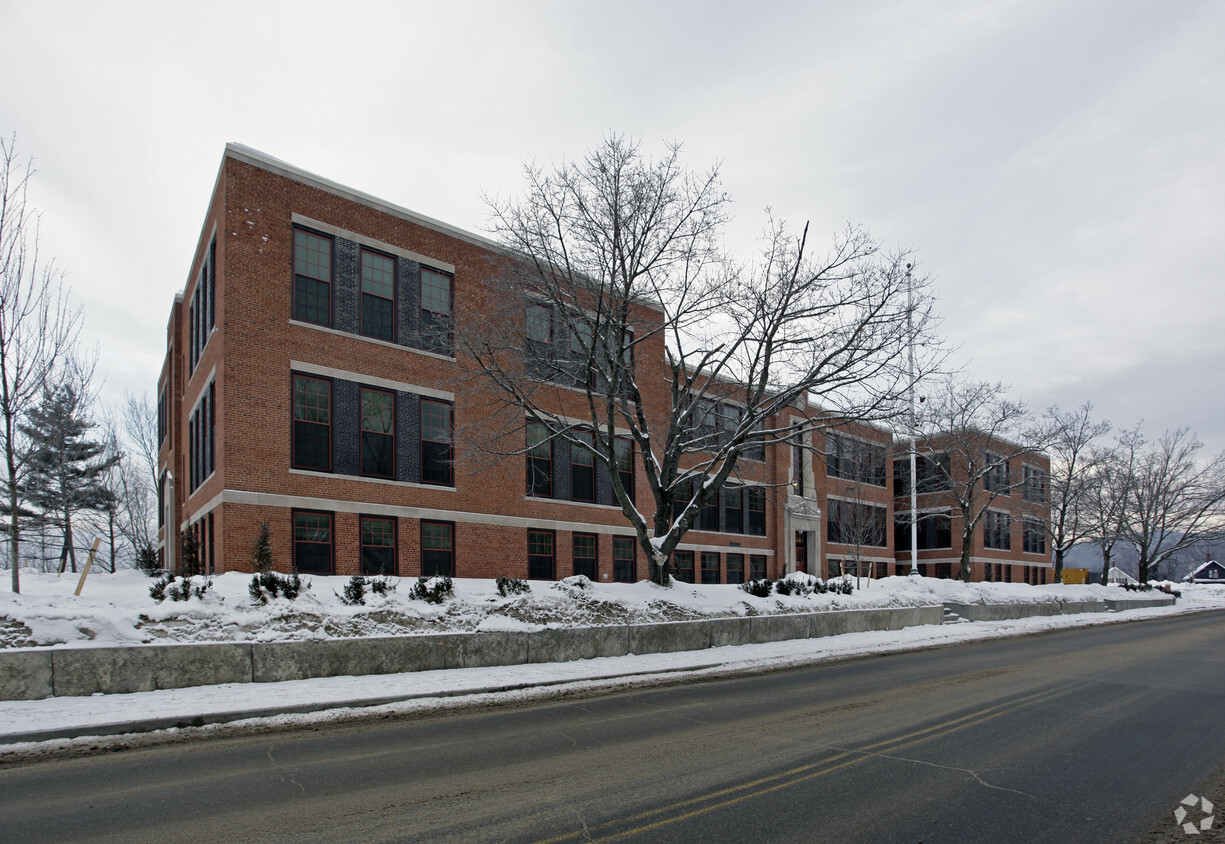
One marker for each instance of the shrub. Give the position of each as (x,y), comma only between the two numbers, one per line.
(576,581)
(146,560)
(841,587)
(508,586)
(760,588)
(799,584)
(354,591)
(177,589)
(431,589)
(261,549)
(270,584)
(381,585)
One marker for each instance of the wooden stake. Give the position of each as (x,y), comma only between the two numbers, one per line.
(88,563)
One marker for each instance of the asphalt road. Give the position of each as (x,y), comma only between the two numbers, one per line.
(1082,735)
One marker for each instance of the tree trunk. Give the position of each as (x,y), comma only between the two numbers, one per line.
(1105,566)
(14,540)
(1058,564)
(72,552)
(966,574)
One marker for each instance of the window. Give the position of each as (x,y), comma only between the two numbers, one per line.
(733,510)
(539,324)
(708,516)
(162,419)
(995,473)
(755,504)
(624,452)
(710,567)
(1033,484)
(585,555)
(378,304)
(931,471)
(855,523)
(201,313)
(855,460)
(582,347)
(683,561)
(437,549)
(539,461)
(312,542)
(312,277)
(582,467)
(201,439)
(707,418)
(623,558)
(996,531)
(436,448)
(1033,538)
(378,445)
(378,545)
(729,421)
(735,568)
(540,560)
(935,531)
(436,311)
(757,567)
(312,423)
(797,466)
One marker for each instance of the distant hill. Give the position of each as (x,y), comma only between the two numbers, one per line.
(1088,556)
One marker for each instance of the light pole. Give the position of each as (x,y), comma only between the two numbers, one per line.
(914,491)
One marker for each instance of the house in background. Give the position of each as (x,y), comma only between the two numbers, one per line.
(1210,572)
(311,380)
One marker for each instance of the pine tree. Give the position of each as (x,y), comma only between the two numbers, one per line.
(65,468)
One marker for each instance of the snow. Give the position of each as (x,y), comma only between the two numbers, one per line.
(116,609)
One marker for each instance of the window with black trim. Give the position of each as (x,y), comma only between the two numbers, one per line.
(541,560)
(437,549)
(582,467)
(312,541)
(855,460)
(378,304)
(855,523)
(162,419)
(935,531)
(436,443)
(710,567)
(624,551)
(1034,482)
(757,567)
(436,294)
(1033,538)
(378,545)
(312,279)
(735,568)
(997,531)
(683,561)
(708,516)
(755,505)
(931,471)
(201,439)
(378,441)
(733,509)
(995,473)
(623,449)
(312,423)
(539,461)
(585,555)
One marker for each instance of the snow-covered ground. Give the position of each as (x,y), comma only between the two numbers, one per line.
(116,609)
(111,607)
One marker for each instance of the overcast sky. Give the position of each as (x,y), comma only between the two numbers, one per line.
(1059,166)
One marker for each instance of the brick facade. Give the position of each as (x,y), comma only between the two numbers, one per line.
(232,367)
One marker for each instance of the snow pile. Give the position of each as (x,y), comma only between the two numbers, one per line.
(115,609)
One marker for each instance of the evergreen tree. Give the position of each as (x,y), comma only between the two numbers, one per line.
(65,469)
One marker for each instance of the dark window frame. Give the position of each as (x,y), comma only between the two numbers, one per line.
(295,422)
(626,475)
(757,566)
(682,563)
(755,511)
(434,318)
(619,560)
(386,440)
(537,466)
(299,307)
(591,562)
(541,566)
(448,446)
(734,567)
(582,474)
(710,573)
(393,569)
(450,551)
(298,543)
(393,300)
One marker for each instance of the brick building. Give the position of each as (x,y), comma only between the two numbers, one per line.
(311,381)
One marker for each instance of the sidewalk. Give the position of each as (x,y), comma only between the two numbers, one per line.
(305,702)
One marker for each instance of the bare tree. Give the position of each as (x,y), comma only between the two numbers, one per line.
(1175,500)
(140,431)
(1107,493)
(1068,520)
(38,327)
(619,253)
(969,433)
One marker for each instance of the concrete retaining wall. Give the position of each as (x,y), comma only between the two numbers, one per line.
(1116,604)
(34,674)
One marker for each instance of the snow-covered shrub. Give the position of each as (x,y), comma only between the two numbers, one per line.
(270,584)
(508,586)
(576,581)
(432,589)
(177,589)
(146,560)
(840,587)
(381,586)
(760,588)
(354,592)
(799,584)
